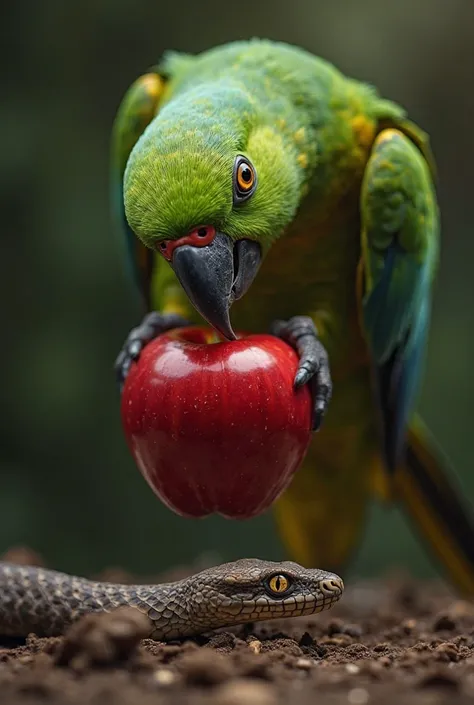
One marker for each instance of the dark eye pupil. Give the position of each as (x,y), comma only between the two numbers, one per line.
(163,245)
(246,174)
(278,584)
(202,232)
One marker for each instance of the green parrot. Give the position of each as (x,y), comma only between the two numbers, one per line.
(255,175)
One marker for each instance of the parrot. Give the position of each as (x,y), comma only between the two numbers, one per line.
(255,178)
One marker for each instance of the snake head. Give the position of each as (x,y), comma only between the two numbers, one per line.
(252,590)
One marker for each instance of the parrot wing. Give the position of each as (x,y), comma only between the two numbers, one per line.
(137,109)
(400,234)
(399,257)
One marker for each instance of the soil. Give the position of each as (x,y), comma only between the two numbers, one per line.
(390,641)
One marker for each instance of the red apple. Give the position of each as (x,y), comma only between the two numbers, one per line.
(216,426)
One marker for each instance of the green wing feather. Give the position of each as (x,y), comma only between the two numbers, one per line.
(139,106)
(400,236)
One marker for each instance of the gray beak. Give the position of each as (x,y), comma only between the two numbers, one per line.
(216,275)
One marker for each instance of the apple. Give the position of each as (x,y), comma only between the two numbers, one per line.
(216,426)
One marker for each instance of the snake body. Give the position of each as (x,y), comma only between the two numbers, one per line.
(46,602)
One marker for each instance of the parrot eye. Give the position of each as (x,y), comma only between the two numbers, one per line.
(245,179)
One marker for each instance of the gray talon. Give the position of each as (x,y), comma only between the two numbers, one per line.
(153,324)
(301,333)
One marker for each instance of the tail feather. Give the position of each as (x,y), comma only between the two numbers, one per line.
(438,507)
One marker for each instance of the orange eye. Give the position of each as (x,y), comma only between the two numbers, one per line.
(245,176)
(245,179)
(278,584)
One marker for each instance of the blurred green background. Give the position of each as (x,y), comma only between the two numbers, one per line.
(68,486)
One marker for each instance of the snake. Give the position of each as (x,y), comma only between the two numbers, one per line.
(46,602)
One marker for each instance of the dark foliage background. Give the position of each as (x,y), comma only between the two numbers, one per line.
(68,487)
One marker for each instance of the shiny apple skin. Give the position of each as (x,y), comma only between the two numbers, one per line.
(216,427)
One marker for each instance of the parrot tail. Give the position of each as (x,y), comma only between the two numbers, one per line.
(425,487)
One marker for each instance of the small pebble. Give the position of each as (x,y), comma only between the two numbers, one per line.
(304,663)
(255,646)
(164,676)
(352,668)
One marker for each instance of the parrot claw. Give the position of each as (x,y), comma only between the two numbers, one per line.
(153,324)
(300,332)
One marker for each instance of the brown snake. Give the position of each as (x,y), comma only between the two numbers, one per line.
(46,602)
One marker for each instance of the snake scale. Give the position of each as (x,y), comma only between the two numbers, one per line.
(46,602)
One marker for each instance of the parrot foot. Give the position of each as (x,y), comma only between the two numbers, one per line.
(301,333)
(153,324)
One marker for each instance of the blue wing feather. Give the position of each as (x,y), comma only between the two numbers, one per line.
(389,306)
(396,316)
(397,382)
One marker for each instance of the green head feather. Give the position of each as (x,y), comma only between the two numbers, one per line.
(180,172)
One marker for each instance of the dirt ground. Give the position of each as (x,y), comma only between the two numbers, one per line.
(390,641)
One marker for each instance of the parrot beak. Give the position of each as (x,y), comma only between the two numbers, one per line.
(215,275)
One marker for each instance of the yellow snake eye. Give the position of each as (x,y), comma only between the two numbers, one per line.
(245,179)
(278,584)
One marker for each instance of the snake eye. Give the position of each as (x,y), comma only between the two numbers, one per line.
(245,179)
(278,584)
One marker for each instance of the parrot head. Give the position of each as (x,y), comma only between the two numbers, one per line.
(210,185)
